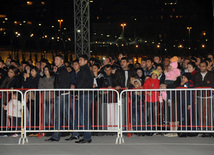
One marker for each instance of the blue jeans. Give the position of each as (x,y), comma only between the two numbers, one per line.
(85,107)
(62,110)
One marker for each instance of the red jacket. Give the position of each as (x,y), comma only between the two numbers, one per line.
(152,96)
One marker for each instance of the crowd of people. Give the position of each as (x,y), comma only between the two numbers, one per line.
(150,73)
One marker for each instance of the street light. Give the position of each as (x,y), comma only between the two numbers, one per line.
(60,23)
(123,26)
(189,28)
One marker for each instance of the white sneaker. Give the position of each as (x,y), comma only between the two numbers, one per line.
(14,135)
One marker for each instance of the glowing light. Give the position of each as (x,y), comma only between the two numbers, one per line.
(158,46)
(32,35)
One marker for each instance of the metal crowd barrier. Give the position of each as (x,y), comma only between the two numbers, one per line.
(167,111)
(71,110)
(11,112)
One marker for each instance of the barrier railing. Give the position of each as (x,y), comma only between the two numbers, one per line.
(165,110)
(67,110)
(11,112)
(104,110)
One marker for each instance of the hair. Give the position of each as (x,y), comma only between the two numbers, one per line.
(76,60)
(152,61)
(16,62)
(208,59)
(49,69)
(204,62)
(109,59)
(24,62)
(160,65)
(122,53)
(2,61)
(108,66)
(60,56)
(97,65)
(143,59)
(34,68)
(84,56)
(125,58)
(192,64)
(14,69)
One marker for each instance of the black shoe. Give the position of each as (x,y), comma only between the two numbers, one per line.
(72,138)
(83,141)
(182,135)
(51,140)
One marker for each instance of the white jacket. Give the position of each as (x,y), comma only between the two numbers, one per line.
(14,108)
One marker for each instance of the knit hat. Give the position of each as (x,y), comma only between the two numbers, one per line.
(187,75)
(137,80)
(174,64)
(155,72)
(174,59)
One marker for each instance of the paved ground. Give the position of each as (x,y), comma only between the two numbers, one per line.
(105,145)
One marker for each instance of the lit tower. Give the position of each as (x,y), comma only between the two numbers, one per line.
(81,27)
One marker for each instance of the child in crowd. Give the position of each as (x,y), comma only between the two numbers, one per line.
(172,74)
(14,112)
(137,106)
(132,79)
(186,98)
(152,97)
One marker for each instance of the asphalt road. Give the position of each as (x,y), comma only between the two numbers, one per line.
(105,145)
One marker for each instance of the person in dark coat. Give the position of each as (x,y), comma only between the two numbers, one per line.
(84,81)
(108,77)
(61,107)
(122,76)
(12,80)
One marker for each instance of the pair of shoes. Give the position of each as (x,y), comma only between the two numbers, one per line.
(2,135)
(171,135)
(51,140)
(83,141)
(72,138)
(14,135)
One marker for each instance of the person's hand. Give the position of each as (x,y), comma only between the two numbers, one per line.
(109,87)
(189,107)
(118,87)
(72,86)
(208,82)
(162,86)
(94,85)
(182,83)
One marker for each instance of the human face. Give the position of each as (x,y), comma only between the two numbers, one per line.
(132,80)
(149,63)
(95,69)
(159,69)
(166,62)
(108,71)
(55,69)
(27,68)
(190,68)
(1,65)
(185,63)
(157,59)
(120,56)
(43,64)
(8,61)
(143,64)
(58,61)
(76,66)
(33,73)
(154,76)
(11,73)
(184,79)
(69,69)
(38,65)
(203,68)
(46,71)
(139,73)
(198,61)
(137,84)
(210,56)
(82,62)
(124,64)
(106,61)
